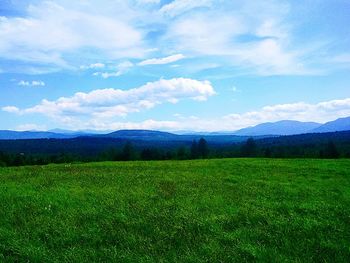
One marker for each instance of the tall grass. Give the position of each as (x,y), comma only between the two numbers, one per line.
(229,210)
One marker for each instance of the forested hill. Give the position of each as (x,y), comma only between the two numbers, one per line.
(42,151)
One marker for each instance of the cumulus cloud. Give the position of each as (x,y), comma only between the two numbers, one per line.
(301,111)
(102,106)
(110,103)
(32,83)
(162,61)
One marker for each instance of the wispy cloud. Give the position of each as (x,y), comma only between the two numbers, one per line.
(31,127)
(97,65)
(33,83)
(117,71)
(254,37)
(177,7)
(51,31)
(162,61)
(125,66)
(148,1)
(11,109)
(259,44)
(149,124)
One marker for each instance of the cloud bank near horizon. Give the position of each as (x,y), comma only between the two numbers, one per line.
(98,109)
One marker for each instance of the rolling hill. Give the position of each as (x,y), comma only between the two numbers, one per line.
(25,135)
(140,134)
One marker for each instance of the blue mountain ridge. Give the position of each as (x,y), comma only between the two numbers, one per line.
(285,127)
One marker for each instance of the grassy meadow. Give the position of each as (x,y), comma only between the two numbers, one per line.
(228,210)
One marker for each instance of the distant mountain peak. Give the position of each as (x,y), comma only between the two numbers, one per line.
(283,127)
(341,124)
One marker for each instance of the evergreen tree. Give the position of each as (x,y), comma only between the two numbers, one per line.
(331,151)
(151,154)
(202,148)
(3,159)
(146,154)
(194,150)
(249,148)
(267,153)
(128,152)
(18,160)
(181,153)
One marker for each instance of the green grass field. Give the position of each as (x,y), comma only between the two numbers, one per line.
(229,210)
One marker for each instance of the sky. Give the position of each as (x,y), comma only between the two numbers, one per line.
(172,65)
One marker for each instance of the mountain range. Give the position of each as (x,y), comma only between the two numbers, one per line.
(279,128)
(341,124)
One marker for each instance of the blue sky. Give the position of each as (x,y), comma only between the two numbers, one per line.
(200,65)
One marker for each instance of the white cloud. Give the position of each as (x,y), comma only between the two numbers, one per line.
(93,66)
(162,61)
(255,37)
(98,109)
(319,112)
(33,83)
(149,124)
(121,69)
(124,67)
(301,111)
(252,38)
(11,109)
(31,127)
(148,1)
(49,32)
(177,7)
(111,103)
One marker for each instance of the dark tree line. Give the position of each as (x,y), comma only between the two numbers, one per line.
(199,149)
(196,150)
